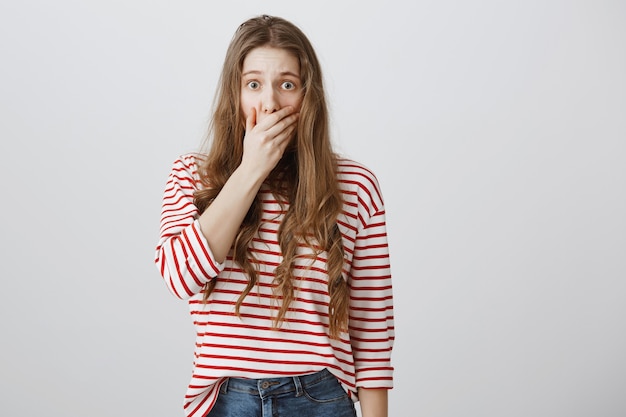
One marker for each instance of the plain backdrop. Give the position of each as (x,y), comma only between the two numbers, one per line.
(497,130)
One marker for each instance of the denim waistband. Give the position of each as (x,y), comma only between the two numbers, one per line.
(272,386)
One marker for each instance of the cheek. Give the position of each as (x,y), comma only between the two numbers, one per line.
(297,103)
(246,105)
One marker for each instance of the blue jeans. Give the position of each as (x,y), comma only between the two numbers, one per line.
(314,395)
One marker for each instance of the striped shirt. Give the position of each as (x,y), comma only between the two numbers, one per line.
(249,346)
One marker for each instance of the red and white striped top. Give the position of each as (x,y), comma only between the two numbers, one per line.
(247,346)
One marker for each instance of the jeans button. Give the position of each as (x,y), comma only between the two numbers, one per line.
(265,385)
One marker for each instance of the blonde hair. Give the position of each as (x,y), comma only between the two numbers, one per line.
(306,176)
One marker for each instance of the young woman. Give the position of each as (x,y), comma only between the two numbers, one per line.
(279,245)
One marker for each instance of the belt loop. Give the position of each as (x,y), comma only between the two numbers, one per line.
(298,384)
(224,386)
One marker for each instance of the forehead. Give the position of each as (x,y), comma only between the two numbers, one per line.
(269,59)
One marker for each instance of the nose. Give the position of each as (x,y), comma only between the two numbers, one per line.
(269,103)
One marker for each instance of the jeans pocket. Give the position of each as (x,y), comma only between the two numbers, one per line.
(325,391)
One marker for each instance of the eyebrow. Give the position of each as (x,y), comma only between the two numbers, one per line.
(283,73)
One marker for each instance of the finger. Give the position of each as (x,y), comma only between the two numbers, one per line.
(251,120)
(284,112)
(284,124)
(276,117)
(283,139)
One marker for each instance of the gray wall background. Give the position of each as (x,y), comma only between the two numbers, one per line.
(497,130)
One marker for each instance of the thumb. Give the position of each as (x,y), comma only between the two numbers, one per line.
(251,120)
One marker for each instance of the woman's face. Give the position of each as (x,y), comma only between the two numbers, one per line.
(270,81)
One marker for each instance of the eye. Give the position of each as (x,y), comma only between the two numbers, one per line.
(253,85)
(288,85)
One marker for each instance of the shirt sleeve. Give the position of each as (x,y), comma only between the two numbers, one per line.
(183,256)
(371,299)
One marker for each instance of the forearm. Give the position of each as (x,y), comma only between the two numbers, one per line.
(222,219)
(373,402)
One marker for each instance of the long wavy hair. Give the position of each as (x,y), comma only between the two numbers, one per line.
(305,179)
